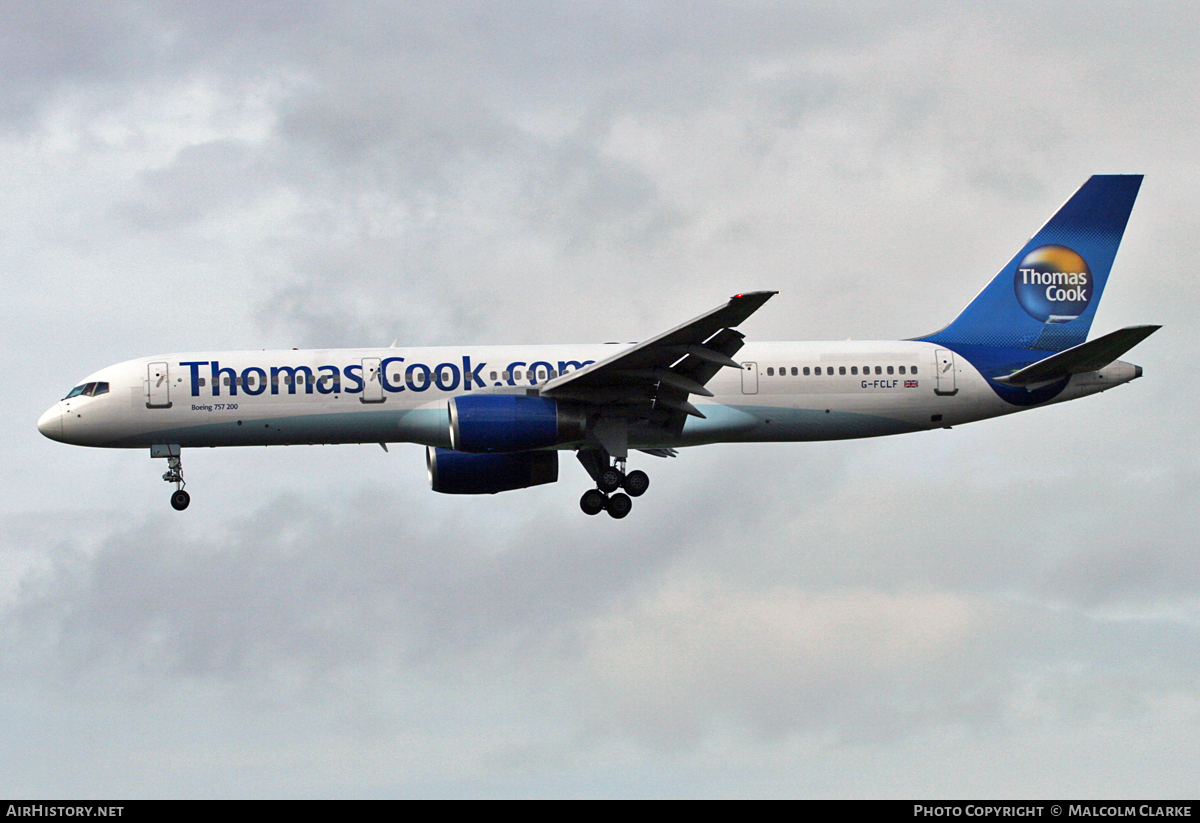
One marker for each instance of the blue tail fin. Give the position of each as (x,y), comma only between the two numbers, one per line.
(1046,297)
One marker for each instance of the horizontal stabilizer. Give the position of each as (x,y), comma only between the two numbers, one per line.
(1091,356)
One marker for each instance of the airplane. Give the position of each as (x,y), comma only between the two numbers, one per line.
(494,418)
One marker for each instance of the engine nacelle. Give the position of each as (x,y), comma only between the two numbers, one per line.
(512,423)
(453,472)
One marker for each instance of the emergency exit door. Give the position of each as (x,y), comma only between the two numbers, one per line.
(749,378)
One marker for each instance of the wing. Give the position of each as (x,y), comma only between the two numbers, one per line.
(654,378)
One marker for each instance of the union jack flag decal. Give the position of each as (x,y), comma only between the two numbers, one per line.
(910,384)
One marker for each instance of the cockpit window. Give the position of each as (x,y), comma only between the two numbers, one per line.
(88,390)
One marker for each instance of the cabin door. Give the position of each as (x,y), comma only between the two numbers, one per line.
(372,385)
(158,390)
(749,378)
(944,366)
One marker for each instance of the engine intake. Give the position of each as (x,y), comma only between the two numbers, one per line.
(512,423)
(452,472)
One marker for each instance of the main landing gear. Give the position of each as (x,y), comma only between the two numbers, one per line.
(609,478)
(174,474)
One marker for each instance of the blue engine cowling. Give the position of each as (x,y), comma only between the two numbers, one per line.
(512,423)
(452,472)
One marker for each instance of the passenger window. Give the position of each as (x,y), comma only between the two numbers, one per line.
(902,370)
(770,372)
(912,369)
(492,376)
(553,373)
(806,371)
(817,371)
(794,372)
(854,369)
(891,370)
(841,369)
(878,370)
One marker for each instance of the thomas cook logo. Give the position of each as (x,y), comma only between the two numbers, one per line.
(1053,284)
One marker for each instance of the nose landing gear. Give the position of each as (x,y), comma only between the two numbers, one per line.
(174,474)
(179,498)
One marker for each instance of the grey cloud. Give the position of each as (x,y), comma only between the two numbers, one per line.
(643,641)
(306,585)
(203,181)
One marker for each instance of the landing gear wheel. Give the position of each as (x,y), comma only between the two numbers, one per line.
(636,483)
(609,480)
(180,500)
(619,505)
(593,501)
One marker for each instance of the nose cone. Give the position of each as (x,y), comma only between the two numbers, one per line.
(50,423)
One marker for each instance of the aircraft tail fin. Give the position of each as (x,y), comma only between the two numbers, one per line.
(1046,297)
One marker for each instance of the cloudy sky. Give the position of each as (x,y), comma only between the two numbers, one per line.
(1011,608)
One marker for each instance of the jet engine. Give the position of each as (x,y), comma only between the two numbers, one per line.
(500,423)
(454,472)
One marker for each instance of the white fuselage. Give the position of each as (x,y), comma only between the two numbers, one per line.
(784,392)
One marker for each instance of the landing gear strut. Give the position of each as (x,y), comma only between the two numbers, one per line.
(610,476)
(174,474)
(179,498)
